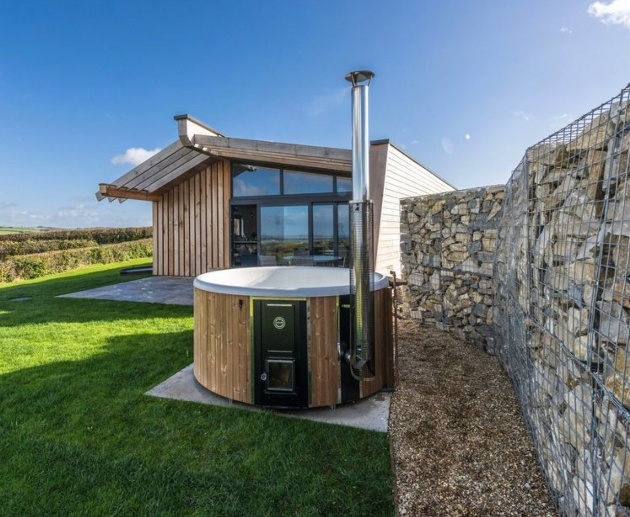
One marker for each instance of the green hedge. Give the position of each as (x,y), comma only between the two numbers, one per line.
(40,264)
(98,235)
(28,247)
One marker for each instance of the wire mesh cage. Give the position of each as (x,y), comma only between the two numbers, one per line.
(562,306)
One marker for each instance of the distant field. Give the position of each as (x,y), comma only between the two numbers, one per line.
(6,230)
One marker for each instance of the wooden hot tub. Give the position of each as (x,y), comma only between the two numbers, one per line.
(272,336)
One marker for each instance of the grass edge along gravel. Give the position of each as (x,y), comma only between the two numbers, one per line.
(78,435)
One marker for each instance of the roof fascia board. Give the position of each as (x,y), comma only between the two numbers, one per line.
(275,159)
(296,151)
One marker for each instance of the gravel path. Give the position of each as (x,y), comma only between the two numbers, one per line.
(459,442)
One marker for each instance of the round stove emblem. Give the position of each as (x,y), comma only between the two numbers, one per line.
(279,322)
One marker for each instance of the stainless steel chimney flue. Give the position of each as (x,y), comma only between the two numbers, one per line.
(360,134)
(361,237)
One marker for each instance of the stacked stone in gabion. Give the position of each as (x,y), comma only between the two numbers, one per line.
(565,281)
(448,249)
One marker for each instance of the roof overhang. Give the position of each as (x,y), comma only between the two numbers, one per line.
(150,179)
(325,158)
(199,145)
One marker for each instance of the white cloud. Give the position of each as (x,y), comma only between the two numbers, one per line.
(467,136)
(134,156)
(414,142)
(565,117)
(616,11)
(566,30)
(65,217)
(330,101)
(556,121)
(523,115)
(29,218)
(78,213)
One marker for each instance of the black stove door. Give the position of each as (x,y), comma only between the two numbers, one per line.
(280,345)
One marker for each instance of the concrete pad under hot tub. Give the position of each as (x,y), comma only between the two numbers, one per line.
(371,413)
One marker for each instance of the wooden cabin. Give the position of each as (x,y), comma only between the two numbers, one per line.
(221,202)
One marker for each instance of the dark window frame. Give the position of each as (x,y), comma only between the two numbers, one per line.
(282,169)
(335,198)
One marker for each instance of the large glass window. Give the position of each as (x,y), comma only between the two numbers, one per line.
(296,182)
(323,230)
(256,181)
(344,184)
(283,231)
(252,181)
(281,216)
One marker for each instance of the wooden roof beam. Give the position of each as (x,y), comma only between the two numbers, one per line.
(113,191)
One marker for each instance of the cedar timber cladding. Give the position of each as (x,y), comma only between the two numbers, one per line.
(191,224)
(395,175)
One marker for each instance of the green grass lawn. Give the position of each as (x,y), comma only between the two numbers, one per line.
(78,437)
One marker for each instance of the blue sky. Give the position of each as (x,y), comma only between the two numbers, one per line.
(464,87)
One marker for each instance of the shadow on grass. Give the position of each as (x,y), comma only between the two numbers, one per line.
(72,281)
(76,310)
(79,437)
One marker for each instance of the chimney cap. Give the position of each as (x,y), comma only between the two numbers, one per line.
(360,76)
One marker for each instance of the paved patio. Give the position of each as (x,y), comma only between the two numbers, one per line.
(174,290)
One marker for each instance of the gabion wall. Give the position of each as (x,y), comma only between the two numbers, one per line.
(448,243)
(561,299)
(561,307)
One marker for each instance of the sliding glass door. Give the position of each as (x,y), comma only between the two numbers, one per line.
(284,231)
(273,234)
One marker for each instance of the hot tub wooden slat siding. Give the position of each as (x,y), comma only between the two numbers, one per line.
(200,337)
(222,351)
(382,343)
(324,355)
